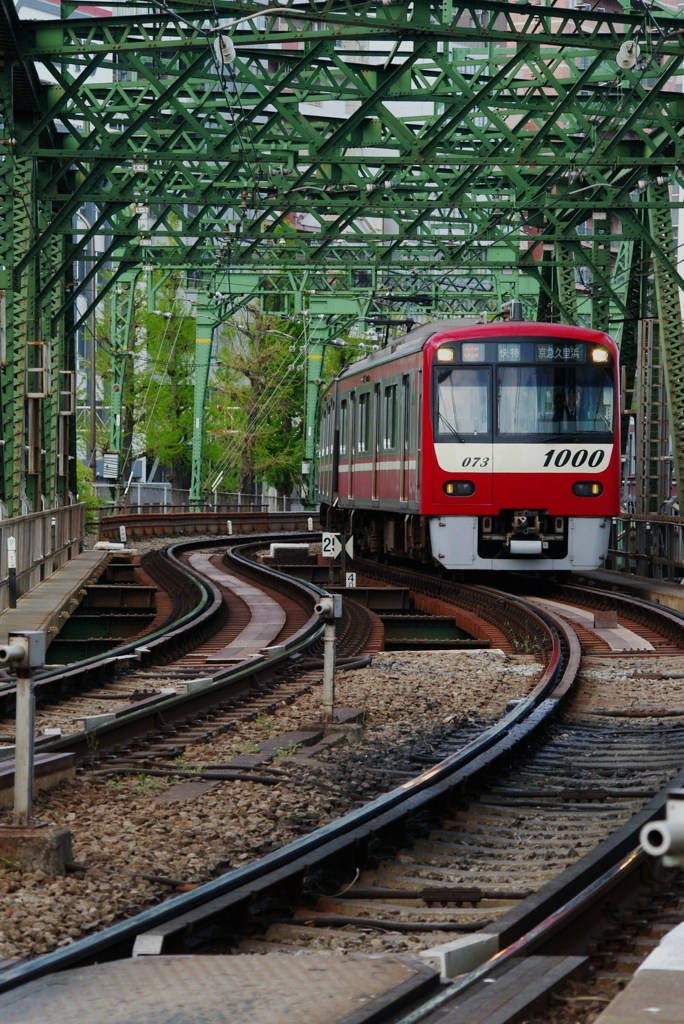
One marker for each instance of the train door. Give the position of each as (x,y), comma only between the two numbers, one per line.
(376,442)
(351,443)
(404,439)
(338,446)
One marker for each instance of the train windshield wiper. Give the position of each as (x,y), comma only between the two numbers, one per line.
(448,428)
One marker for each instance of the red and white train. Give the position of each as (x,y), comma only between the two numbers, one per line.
(476,446)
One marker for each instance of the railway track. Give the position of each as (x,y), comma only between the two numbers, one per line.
(225,522)
(186,655)
(448,876)
(206,643)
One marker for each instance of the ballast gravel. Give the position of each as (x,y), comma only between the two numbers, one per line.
(136,843)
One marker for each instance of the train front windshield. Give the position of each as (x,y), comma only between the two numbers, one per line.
(554,399)
(536,400)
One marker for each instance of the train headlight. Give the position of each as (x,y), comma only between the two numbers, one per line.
(445,355)
(600,355)
(587,489)
(459,488)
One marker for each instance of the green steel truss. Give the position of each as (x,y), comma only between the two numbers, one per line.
(387,158)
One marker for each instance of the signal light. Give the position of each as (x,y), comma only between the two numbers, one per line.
(459,488)
(587,489)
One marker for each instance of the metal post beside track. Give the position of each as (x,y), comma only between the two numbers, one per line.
(329,672)
(26,651)
(330,609)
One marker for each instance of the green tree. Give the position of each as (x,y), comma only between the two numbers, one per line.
(257,405)
(163,383)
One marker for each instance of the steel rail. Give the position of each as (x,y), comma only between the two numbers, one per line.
(558,905)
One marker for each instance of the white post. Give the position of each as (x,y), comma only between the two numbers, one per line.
(329,671)
(23,747)
(26,651)
(12,570)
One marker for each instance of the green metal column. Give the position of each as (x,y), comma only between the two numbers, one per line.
(565,283)
(6,295)
(122,317)
(317,339)
(59,402)
(324,311)
(600,296)
(203,339)
(653,473)
(667,291)
(23,330)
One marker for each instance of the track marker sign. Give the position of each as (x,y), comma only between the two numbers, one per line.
(331,545)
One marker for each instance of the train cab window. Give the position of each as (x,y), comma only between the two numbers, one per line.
(363,434)
(389,439)
(461,402)
(554,400)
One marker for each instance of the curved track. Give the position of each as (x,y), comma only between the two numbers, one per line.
(432,823)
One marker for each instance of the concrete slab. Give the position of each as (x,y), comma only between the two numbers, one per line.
(44,848)
(49,771)
(311,987)
(656,992)
(651,995)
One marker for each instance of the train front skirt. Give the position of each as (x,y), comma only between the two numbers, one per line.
(455,540)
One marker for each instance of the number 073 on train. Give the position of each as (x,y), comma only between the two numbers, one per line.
(476,446)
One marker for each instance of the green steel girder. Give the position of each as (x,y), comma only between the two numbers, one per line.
(365,152)
(204,331)
(271,106)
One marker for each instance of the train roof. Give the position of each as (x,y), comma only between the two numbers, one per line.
(416,339)
(411,342)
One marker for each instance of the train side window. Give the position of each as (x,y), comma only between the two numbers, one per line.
(376,426)
(329,431)
(406,406)
(389,439)
(321,439)
(352,423)
(363,434)
(343,427)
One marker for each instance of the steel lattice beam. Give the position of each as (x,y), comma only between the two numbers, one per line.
(449,156)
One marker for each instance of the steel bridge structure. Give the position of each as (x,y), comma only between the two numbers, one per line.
(352,158)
